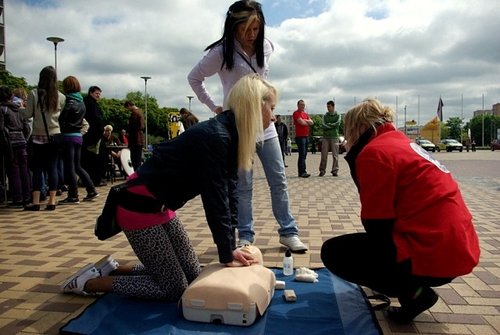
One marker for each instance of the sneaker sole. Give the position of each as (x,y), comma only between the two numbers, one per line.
(79,273)
(90,199)
(295,250)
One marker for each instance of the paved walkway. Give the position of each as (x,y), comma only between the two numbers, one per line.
(38,250)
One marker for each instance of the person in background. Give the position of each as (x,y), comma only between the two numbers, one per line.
(135,134)
(20,99)
(302,122)
(330,140)
(225,143)
(109,139)
(418,230)
(123,138)
(188,119)
(314,145)
(16,161)
(243,50)
(282,131)
(175,126)
(91,140)
(44,105)
(111,151)
(71,123)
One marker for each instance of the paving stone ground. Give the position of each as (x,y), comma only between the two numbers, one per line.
(38,250)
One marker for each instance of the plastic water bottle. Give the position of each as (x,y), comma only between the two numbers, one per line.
(288,263)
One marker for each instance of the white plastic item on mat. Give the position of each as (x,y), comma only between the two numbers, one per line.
(306,275)
(229,295)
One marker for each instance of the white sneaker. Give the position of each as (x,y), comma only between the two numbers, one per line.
(106,265)
(293,243)
(76,283)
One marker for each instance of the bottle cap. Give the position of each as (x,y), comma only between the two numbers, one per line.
(288,253)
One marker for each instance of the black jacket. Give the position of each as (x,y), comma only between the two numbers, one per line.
(71,117)
(200,161)
(93,116)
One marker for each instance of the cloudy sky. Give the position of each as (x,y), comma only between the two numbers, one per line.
(404,52)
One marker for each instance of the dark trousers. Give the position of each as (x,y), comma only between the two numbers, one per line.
(135,155)
(19,176)
(91,163)
(45,160)
(302,143)
(72,168)
(367,261)
(282,147)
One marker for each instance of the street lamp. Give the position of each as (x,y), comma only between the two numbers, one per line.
(146,106)
(190,97)
(55,40)
(405,121)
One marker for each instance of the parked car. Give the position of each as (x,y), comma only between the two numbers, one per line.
(426,144)
(450,144)
(495,145)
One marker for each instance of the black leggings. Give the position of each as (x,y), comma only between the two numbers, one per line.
(368,262)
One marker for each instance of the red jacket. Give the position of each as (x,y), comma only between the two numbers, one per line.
(399,180)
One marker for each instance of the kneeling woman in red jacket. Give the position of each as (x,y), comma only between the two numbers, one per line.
(419,232)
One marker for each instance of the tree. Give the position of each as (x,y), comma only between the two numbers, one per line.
(7,79)
(158,118)
(316,128)
(114,113)
(454,125)
(491,124)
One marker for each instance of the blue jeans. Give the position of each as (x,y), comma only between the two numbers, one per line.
(302,143)
(270,155)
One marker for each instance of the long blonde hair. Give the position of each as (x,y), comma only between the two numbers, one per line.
(246,100)
(370,113)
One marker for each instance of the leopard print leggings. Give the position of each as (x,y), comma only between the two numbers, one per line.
(169,263)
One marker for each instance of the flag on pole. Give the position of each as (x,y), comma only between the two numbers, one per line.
(440,110)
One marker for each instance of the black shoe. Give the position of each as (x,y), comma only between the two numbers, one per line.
(335,174)
(90,196)
(304,175)
(321,174)
(50,207)
(69,201)
(32,208)
(15,204)
(410,309)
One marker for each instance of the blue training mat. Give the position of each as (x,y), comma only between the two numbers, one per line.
(331,306)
